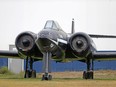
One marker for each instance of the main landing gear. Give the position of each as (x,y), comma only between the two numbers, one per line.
(46,66)
(89,73)
(29,72)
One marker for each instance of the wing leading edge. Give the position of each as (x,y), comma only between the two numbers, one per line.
(9,54)
(104,55)
(102,36)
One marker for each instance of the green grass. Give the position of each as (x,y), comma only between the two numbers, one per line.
(56,83)
(98,75)
(105,78)
(4,70)
(5,73)
(60,79)
(102,78)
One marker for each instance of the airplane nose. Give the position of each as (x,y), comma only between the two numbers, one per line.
(45,41)
(45,44)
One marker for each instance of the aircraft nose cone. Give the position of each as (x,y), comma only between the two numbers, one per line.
(46,45)
(26,42)
(43,44)
(79,43)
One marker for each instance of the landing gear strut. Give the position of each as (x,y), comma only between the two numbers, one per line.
(29,72)
(89,73)
(46,66)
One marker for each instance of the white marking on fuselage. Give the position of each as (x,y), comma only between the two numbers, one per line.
(62,41)
(54,42)
(52,45)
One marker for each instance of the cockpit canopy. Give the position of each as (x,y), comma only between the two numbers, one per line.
(50,24)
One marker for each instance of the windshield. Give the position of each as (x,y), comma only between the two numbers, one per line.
(52,25)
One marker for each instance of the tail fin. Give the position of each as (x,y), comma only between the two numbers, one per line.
(72,30)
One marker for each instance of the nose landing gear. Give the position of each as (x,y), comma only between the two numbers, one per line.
(46,66)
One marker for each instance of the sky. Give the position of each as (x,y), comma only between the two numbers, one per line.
(91,16)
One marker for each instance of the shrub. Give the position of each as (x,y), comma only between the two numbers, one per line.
(4,70)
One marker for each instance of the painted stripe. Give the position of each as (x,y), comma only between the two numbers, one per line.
(62,41)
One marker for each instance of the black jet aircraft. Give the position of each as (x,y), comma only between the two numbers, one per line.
(53,43)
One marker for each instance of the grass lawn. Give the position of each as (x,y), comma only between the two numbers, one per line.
(103,78)
(56,83)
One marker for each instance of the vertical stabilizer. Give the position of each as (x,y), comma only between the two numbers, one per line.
(72,28)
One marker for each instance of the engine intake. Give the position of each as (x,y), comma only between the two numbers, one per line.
(80,44)
(25,43)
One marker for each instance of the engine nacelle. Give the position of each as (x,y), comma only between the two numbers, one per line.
(80,44)
(25,43)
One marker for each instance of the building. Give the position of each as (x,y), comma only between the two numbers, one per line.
(77,66)
(60,67)
(15,65)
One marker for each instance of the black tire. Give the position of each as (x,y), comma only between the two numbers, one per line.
(33,74)
(88,75)
(27,74)
(91,74)
(84,75)
(50,77)
(44,77)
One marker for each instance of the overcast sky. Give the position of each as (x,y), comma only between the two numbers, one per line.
(91,16)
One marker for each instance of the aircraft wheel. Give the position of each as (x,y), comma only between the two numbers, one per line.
(47,77)
(27,74)
(88,75)
(44,77)
(33,74)
(50,77)
(91,75)
(84,75)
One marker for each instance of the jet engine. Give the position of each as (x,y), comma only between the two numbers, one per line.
(80,44)
(25,43)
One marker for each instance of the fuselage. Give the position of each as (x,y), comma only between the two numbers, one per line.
(53,39)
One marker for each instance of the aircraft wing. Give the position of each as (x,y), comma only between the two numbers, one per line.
(9,54)
(104,55)
(102,36)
